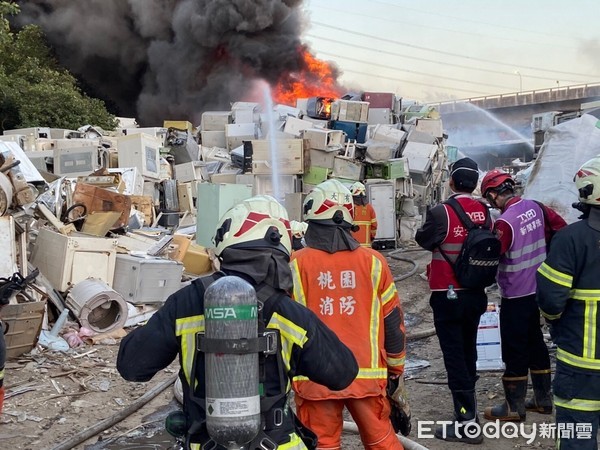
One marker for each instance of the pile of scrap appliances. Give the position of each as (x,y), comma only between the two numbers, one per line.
(98,228)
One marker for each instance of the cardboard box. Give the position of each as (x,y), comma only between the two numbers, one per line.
(66,260)
(24,322)
(102,200)
(180,245)
(197,260)
(146,280)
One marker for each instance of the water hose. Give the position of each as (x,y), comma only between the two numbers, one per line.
(406,443)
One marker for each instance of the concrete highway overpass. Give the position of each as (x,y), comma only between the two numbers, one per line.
(497,129)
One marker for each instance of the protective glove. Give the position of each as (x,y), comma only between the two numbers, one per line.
(400,415)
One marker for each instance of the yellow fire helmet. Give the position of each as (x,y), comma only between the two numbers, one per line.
(330,203)
(358,189)
(587,181)
(258,222)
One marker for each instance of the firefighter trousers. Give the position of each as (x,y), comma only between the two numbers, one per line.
(456,323)
(523,345)
(371,414)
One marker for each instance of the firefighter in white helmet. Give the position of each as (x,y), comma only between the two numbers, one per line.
(364,215)
(568,292)
(253,242)
(352,290)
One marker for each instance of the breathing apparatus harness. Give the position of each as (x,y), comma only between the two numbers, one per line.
(267,343)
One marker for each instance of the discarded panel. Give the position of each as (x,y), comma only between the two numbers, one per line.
(24,322)
(98,199)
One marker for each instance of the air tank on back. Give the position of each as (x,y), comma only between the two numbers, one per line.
(232,384)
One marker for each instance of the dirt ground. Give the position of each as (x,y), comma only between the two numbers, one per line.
(51,397)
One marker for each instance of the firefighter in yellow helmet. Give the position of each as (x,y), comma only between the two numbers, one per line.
(568,294)
(352,290)
(364,215)
(253,242)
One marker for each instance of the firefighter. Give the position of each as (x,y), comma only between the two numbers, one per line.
(351,289)
(253,242)
(363,215)
(456,311)
(524,229)
(568,294)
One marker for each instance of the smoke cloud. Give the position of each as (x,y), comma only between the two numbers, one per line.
(171,59)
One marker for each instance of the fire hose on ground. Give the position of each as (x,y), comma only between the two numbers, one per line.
(348,426)
(408,444)
(394,255)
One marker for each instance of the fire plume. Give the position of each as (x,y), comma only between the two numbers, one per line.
(315,78)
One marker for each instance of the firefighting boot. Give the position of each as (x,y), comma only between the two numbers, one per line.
(542,392)
(465,427)
(513,409)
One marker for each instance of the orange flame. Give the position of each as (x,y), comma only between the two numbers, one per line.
(316,79)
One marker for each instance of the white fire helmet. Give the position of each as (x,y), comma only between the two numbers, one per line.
(358,189)
(329,202)
(258,222)
(587,181)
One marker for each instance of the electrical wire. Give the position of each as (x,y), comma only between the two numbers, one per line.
(437,76)
(376,75)
(416,58)
(442,52)
(428,27)
(478,22)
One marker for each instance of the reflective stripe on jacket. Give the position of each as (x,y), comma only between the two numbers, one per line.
(353,292)
(365,219)
(568,285)
(516,272)
(306,345)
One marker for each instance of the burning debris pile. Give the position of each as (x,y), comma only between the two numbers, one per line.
(107,225)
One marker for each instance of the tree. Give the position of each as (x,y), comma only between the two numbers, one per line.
(34,89)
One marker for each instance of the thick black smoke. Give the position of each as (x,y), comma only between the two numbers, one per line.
(171,59)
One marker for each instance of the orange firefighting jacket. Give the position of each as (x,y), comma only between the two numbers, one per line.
(364,217)
(354,294)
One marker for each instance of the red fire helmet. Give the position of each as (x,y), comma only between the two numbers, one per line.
(494,179)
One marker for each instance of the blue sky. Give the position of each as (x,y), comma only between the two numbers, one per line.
(439,50)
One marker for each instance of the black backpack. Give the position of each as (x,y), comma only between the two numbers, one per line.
(477,263)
